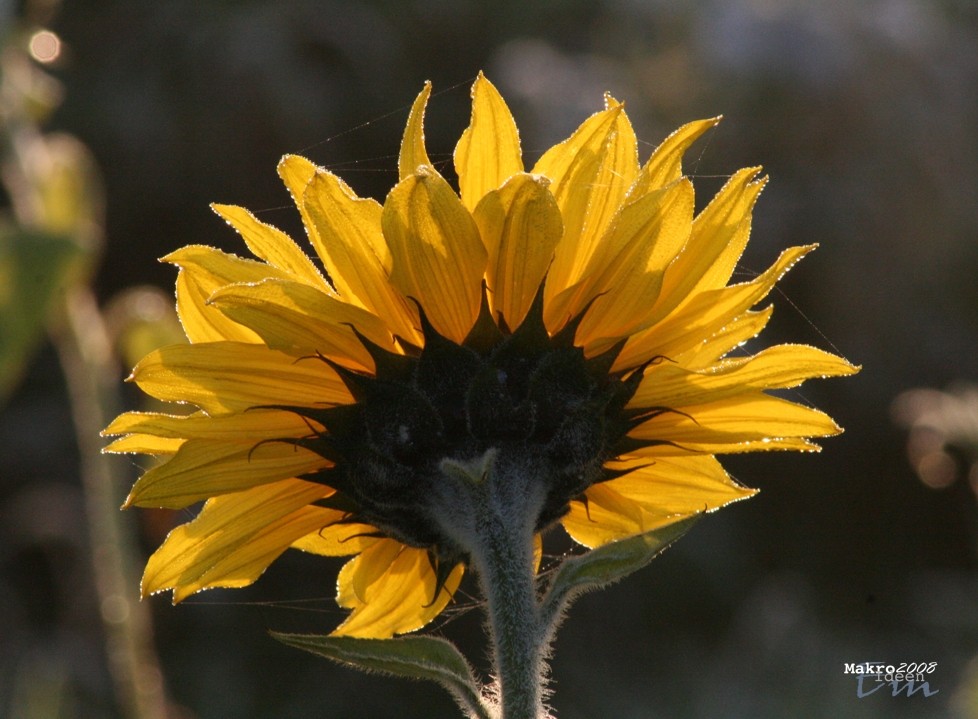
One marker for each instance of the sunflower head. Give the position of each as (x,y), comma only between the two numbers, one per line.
(567,336)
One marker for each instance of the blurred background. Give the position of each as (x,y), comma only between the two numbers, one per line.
(122,121)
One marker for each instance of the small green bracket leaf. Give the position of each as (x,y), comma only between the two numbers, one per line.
(605,565)
(416,657)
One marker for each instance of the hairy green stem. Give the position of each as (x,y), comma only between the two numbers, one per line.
(495,512)
(505,569)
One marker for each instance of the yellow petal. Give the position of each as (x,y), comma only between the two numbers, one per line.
(653,495)
(271,244)
(625,285)
(234,538)
(704,314)
(144,444)
(767,444)
(293,316)
(665,164)
(488,153)
(345,596)
(591,172)
(678,486)
(295,172)
(213,268)
(349,232)
(733,334)
(338,539)
(201,322)
(413,153)
(155,433)
(371,564)
(224,377)
(607,516)
(439,258)
(204,270)
(400,599)
(204,468)
(779,367)
(720,233)
(520,225)
(250,426)
(348,236)
(750,417)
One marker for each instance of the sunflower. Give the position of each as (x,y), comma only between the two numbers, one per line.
(566,332)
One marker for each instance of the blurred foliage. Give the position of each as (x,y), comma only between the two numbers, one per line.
(33,272)
(862,113)
(49,232)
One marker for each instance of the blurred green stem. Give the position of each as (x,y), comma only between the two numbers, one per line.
(90,371)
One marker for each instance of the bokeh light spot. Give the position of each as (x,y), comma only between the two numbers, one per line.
(44,46)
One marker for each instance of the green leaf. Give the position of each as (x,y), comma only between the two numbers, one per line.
(605,565)
(413,657)
(35,269)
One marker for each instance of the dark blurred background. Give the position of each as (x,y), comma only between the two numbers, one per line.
(865,115)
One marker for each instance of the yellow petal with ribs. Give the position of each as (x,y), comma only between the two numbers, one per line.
(704,315)
(204,468)
(520,225)
(247,427)
(353,248)
(625,282)
(590,172)
(439,259)
(144,444)
(718,237)
(223,377)
(681,486)
(665,165)
(488,153)
(203,270)
(339,538)
(401,598)
(733,334)
(607,516)
(413,153)
(653,495)
(214,268)
(291,316)
(271,244)
(750,417)
(670,385)
(201,322)
(370,565)
(234,538)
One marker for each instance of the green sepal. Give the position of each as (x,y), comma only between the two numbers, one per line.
(389,365)
(485,333)
(339,500)
(566,335)
(605,565)
(600,365)
(416,657)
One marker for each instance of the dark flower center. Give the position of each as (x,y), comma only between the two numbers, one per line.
(533,398)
